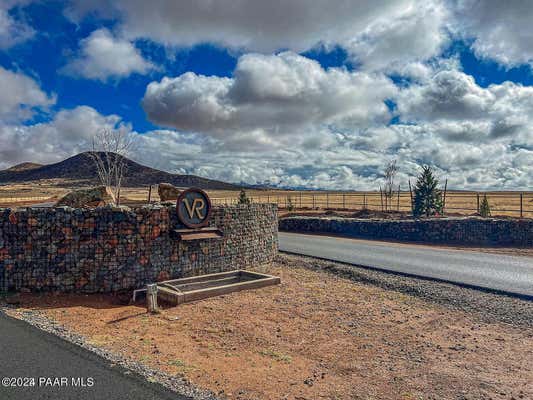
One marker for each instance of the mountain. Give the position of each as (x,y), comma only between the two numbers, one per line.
(24,167)
(82,167)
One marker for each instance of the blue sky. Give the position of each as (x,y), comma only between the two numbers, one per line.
(318,97)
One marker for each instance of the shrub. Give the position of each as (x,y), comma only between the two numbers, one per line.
(243,199)
(290,204)
(427,197)
(484,207)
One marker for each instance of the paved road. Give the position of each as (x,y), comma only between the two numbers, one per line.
(26,351)
(493,271)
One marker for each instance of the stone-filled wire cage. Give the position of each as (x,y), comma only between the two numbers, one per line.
(113,248)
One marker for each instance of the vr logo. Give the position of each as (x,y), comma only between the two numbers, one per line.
(194,208)
(197,207)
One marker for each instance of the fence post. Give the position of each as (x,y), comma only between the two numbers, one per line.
(300,199)
(398,204)
(521,205)
(313,201)
(151,298)
(477,196)
(411,194)
(327,200)
(444,201)
(344,200)
(150,194)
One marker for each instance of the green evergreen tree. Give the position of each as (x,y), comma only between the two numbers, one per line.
(290,204)
(484,207)
(427,197)
(243,199)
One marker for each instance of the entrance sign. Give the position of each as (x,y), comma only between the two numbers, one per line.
(194,208)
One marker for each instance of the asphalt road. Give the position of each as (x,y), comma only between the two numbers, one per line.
(27,352)
(510,274)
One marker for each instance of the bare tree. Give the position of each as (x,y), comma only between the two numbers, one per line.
(390,175)
(109,149)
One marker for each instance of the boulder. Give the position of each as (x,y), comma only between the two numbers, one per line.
(168,192)
(88,198)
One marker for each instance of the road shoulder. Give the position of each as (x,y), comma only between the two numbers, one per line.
(489,307)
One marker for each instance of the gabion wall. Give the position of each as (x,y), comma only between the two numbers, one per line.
(110,249)
(472,231)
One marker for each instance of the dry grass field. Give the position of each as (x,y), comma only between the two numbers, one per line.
(503,203)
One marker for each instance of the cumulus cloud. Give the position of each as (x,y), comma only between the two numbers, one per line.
(258,26)
(459,109)
(391,42)
(12,31)
(21,96)
(283,119)
(346,164)
(270,101)
(331,131)
(376,32)
(67,133)
(103,56)
(194,154)
(499,30)
(348,161)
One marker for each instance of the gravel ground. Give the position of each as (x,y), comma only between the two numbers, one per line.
(181,386)
(489,307)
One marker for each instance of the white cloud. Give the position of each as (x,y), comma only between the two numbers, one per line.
(271,101)
(103,56)
(346,161)
(253,25)
(68,133)
(20,96)
(12,31)
(286,120)
(415,34)
(375,32)
(500,30)
(461,110)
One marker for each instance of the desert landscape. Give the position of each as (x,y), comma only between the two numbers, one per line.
(21,185)
(303,340)
(281,200)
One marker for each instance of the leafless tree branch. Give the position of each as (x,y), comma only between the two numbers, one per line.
(390,175)
(110,147)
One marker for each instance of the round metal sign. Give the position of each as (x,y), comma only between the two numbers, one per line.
(194,208)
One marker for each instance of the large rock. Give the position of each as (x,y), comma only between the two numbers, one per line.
(93,197)
(167,192)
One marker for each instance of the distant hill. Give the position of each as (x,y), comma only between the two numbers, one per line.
(24,167)
(81,167)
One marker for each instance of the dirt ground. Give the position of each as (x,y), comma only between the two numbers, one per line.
(510,251)
(315,336)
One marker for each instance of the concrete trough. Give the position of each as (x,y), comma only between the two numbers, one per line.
(185,290)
